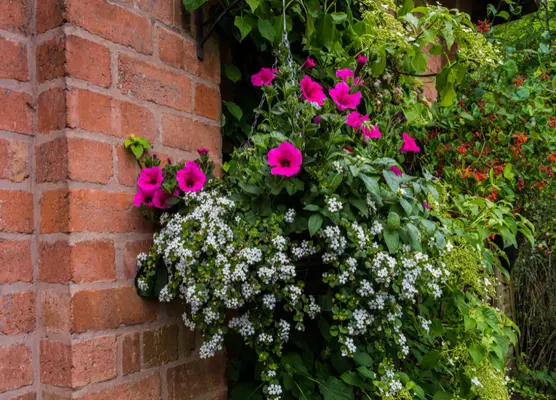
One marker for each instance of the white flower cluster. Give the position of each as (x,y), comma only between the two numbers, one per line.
(289,217)
(334,205)
(338,166)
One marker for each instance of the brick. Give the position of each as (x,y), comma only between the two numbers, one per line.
(144,389)
(196,378)
(131,353)
(93,360)
(54,396)
(93,261)
(131,250)
(52,161)
(26,396)
(56,313)
(207,102)
(189,134)
(182,19)
(128,169)
(90,161)
(51,110)
(88,60)
(65,210)
(49,14)
(152,83)
(90,111)
(16,211)
(55,261)
(16,369)
(137,120)
(13,160)
(16,111)
(15,259)
(177,51)
(55,363)
(110,308)
(51,59)
(113,22)
(15,16)
(160,9)
(13,63)
(17,313)
(160,346)
(54,211)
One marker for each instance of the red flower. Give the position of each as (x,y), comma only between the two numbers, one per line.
(482,26)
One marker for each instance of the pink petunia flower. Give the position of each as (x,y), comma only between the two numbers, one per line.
(344,74)
(191,178)
(396,170)
(343,99)
(361,59)
(312,91)
(142,197)
(371,133)
(317,119)
(150,179)
(409,144)
(160,198)
(202,151)
(426,205)
(309,63)
(285,160)
(355,120)
(264,77)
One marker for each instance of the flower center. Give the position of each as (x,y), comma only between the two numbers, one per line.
(285,163)
(189,182)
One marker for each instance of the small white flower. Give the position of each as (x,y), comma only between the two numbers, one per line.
(475,381)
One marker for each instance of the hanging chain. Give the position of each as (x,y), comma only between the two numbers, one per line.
(289,62)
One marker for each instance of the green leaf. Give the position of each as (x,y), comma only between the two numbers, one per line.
(508,174)
(232,72)
(137,150)
(351,378)
(335,389)
(315,222)
(371,184)
(191,5)
(248,188)
(430,359)
(312,207)
(278,136)
(392,180)
(477,353)
(363,358)
(406,7)
(361,205)
(522,93)
(392,239)
(366,372)
(266,29)
(338,17)
(234,109)
(414,236)
(143,142)
(504,14)
(253,4)
(244,24)
(294,360)
(442,396)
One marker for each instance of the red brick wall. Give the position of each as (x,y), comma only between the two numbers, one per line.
(76,77)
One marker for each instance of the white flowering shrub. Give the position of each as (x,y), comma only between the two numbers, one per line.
(337,271)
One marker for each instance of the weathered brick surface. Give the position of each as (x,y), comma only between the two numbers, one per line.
(13,63)
(160,9)
(17,313)
(152,83)
(55,363)
(88,60)
(144,389)
(15,259)
(90,111)
(14,156)
(197,378)
(51,110)
(52,161)
(15,16)
(131,353)
(136,120)
(51,58)
(110,308)
(177,51)
(15,367)
(16,111)
(93,360)
(93,261)
(89,161)
(160,346)
(128,169)
(49,14)
(56,310)
(16,211)
(112,22)
(207,101)
(189,134)
(26,396)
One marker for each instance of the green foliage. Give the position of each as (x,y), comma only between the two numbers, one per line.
(137,145)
